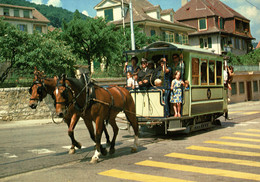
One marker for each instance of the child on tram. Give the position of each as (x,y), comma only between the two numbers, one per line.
(176,94)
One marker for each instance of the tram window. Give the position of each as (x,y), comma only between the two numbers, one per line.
(204,76)
(195,71)
(219,72)
(212,72)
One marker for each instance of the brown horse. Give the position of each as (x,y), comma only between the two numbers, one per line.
(99,104)
(40,88)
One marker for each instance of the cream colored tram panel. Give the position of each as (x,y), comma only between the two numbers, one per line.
(148,104)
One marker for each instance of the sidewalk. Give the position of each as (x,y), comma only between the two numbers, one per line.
(22,123)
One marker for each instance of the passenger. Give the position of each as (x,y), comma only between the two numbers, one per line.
(135,77)
(134,68)
(130,80)
(150,65)
(163,75)
(144,75)
(178,65)
(176,94)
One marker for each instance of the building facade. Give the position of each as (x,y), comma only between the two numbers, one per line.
(150,18)
(219,27)
(24,18)
(245,86)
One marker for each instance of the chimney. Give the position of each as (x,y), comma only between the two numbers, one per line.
(183,2)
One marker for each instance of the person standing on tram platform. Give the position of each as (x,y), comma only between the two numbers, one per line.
(178,65)
(164,74)
(134,68)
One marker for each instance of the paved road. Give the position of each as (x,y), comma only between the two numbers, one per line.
(37,151)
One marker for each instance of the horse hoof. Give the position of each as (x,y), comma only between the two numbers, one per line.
(112,151)
(104,152)
(72,151)
(79,145)
(133,150)
(93,161)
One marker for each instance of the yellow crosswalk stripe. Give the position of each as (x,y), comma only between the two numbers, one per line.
(223,151)
(201,170)
(234,112)
(249,113)
(214,159)
(254,130)
(241,139)
(138,176)
(247,134)
(234,144)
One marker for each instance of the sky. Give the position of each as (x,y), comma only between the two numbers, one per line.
(248,8)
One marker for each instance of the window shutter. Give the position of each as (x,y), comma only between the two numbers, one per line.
(209,42)
(201,43)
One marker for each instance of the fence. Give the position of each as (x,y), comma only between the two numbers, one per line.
(246,68)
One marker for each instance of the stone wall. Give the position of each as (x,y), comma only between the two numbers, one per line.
(14,105)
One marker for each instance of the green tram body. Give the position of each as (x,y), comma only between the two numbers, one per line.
(203,102)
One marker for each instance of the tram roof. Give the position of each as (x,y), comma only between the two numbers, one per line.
(167,46)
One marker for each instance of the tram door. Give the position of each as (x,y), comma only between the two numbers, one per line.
(249,90)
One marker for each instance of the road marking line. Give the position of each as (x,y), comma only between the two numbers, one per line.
(235,144)
(41,151)
(8,155)
(201,170)
(214,159)
(223,151)
(249,113)
(138,176)
(241,124)
(241,139)
(247,134)
(69,146)
(254,130)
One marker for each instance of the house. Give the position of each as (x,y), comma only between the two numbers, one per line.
(219,27)
(25,18)
(245,86)
(150,18)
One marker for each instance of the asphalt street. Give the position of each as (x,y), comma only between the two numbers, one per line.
(37,150)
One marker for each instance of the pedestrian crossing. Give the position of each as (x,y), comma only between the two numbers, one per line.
(244,145)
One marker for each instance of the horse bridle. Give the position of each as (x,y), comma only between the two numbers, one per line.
(65,95)
(40,90)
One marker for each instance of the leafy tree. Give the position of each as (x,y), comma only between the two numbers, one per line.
(22,51)
(91,38)
(252,58)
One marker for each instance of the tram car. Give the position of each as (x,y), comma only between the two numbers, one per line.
(203,101)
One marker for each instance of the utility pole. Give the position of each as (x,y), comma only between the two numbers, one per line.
(123,15)
(132,26)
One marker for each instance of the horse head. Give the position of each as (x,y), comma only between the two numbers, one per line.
(63,96)
(37,90)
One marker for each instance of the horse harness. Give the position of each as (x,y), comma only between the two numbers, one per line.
(90,97)
(40,90)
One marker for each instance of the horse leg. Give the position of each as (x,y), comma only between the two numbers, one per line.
(107,136)
(89,125)
(112,122)
(99,129)
(133,121)
(73,123)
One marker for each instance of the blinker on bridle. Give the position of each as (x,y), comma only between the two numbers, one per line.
(40,90)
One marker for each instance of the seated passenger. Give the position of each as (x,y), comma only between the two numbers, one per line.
(135,77)
(144,75)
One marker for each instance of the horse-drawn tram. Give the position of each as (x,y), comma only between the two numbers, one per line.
(204,98)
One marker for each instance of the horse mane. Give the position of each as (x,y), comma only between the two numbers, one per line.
(77,85)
